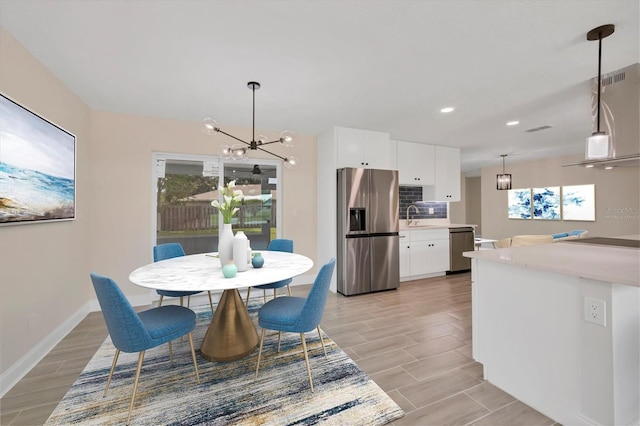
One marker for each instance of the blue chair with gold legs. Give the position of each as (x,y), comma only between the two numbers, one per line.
(169,251)
(131,331)
(279,244)
(297,314)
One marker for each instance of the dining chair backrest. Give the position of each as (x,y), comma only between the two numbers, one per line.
(281,244)
(313,307)
(127,330)
(167,251)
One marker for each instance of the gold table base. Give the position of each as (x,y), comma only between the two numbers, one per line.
(231,334)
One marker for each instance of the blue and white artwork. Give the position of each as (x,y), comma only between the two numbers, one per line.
(37,167)
(519,203)
(546,203)
(578,202)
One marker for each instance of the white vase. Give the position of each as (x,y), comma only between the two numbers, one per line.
(240,243)
(225,244)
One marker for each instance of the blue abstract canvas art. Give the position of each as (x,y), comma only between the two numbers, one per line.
(546,203)
(578,202)
(37,167)
(519,203)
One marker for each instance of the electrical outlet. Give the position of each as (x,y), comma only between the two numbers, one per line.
(431,210)
(595,311)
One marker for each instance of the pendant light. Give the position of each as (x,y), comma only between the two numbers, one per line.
(240,152)
(599,143)
(503,181)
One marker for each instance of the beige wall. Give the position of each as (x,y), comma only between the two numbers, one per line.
(617,191)
(121,183)
(473,198)
(45,267)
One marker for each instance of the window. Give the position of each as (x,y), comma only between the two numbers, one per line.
(185,185)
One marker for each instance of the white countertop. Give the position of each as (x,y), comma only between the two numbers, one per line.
(599,262)
(404,227)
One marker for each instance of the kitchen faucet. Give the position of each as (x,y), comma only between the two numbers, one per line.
(409,220)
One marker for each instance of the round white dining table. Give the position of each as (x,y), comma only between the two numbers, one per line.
(231,334)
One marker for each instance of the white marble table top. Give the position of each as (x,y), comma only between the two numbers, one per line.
(202,272)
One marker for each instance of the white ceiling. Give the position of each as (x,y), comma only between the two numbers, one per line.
(379,65)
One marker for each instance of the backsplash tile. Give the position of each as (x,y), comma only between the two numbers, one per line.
(413,195)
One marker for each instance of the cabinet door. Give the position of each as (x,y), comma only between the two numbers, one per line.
(447,173)
(350,147)
(378,151)
(405,254)
(420,257)
(415,163)
(439,256)
(365,148)
(429,251)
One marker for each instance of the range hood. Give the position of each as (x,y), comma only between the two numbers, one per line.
(620,102)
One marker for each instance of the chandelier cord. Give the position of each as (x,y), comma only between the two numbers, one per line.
(599,77)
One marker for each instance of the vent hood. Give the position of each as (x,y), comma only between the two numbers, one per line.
(620,103)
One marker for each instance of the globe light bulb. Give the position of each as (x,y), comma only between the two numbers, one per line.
(209,126)
(239,152)
(291,162)
(225,151)
(287,137)
(262,139)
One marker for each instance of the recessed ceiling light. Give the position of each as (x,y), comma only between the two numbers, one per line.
(588,166)
(513,123)
(608,168)
(447,109)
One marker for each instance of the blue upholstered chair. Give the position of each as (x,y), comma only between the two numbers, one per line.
(280,244)
(297,314)
(169,251)
(136,332)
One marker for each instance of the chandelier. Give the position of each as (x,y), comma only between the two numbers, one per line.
(503,181)
(241,151)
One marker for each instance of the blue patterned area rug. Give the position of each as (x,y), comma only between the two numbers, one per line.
(228,395)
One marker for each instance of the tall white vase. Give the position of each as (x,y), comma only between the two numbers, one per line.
(225,244)
(240,244)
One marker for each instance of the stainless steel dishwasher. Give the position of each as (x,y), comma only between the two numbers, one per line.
(460,240)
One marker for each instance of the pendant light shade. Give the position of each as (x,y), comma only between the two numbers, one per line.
(503,181)
(598,145)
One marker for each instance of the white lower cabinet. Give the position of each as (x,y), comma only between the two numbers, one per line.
(405,254)
(423,252)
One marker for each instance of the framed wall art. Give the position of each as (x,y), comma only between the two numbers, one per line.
(37,167)
(579,202)
(546,203)
(519,203)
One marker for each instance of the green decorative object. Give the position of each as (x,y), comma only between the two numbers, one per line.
(257,260)
(229,270)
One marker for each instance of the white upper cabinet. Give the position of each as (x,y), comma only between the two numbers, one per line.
(365,149)
(447,176)
(415,163)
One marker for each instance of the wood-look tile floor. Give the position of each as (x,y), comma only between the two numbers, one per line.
(414,342)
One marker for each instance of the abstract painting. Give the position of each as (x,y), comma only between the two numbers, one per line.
(37,167)
(578,202)
(519,203)
(546,203)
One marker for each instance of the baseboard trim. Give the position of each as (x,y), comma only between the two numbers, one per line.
(18,370)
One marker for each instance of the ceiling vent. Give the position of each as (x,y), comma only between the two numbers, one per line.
(537,129)
(613,78)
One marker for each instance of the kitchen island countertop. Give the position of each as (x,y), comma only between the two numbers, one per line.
(604,263)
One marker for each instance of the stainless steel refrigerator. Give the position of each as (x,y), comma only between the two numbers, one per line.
(368,225)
